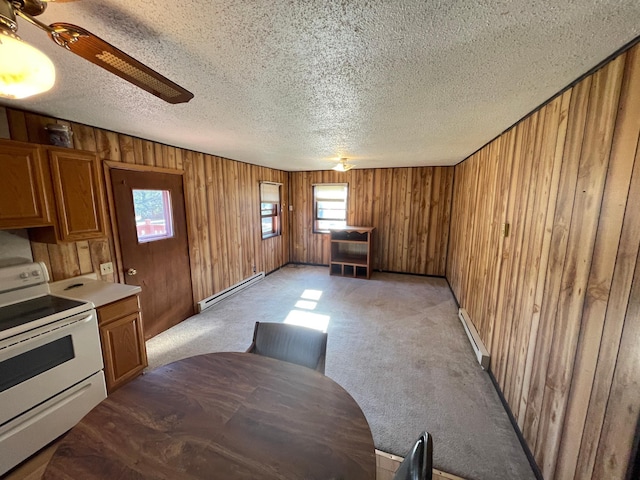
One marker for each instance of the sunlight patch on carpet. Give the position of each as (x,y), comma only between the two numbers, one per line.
(306,304)
(311,295)
(308,319)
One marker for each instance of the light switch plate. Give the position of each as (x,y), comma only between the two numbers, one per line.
(106,268)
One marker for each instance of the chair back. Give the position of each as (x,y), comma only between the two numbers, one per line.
(291,343)
(418,464)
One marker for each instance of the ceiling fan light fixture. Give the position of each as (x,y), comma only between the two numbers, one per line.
(38,75)
(24,70)
(343,166)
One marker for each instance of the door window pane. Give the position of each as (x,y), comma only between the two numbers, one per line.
(154,220)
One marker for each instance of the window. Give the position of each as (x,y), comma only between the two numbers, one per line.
(270,209)
(330,206)
(153,214)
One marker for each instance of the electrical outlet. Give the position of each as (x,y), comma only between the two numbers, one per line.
(106,268)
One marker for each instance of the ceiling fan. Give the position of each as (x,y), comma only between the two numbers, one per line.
(88,46)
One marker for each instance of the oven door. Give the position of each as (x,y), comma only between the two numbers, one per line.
(38,364)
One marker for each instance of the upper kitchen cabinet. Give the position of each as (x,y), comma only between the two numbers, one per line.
(66,182)
(23,178)
(77,188)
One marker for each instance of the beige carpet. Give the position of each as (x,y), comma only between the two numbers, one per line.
(395,344)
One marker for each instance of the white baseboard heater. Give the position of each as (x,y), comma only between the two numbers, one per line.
(213,299)
(478,347)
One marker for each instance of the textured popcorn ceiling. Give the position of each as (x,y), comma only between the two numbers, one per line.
(294,84)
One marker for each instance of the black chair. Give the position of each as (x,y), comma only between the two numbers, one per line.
(418,464)
(291,343)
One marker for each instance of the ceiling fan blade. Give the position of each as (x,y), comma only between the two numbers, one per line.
(92,48)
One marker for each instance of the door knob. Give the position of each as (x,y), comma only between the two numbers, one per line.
(131,272)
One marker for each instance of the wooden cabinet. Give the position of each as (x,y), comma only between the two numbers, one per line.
(23,179)
(351,251)
(123,348)
(57,189)
(77,188)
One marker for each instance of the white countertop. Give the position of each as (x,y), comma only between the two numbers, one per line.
(90,290)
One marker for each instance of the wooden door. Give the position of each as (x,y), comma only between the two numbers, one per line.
(154,246)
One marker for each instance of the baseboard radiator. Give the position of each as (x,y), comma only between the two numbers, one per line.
(478,347)
(213,299)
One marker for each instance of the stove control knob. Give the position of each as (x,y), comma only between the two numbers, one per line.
(24,275)
(35,273)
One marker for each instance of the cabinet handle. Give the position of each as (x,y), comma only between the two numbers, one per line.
(131,272)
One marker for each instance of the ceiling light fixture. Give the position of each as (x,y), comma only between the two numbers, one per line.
(343,166)
(24,70)
(27,71)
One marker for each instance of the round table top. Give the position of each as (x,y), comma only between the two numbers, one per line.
(221,415)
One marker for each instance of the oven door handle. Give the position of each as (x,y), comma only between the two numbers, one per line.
(23,339)
(87,318)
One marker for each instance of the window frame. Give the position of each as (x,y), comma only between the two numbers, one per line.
(274,212)
(316,219)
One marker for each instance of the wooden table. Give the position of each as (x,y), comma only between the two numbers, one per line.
(221,415)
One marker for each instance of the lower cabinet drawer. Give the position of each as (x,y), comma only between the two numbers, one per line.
(118,309)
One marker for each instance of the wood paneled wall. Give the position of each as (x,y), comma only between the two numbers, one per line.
(408,206)
(222,200)
(557,302)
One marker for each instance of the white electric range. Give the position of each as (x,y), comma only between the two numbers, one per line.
(50,363)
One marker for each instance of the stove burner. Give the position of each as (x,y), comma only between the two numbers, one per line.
(34,309)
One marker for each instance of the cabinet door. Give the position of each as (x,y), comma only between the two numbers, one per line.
(78,192)
(123,350)
(23,176)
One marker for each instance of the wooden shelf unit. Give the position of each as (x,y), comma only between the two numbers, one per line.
(351,251)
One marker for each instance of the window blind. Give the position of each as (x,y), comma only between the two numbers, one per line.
(331,191)
(270,192)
